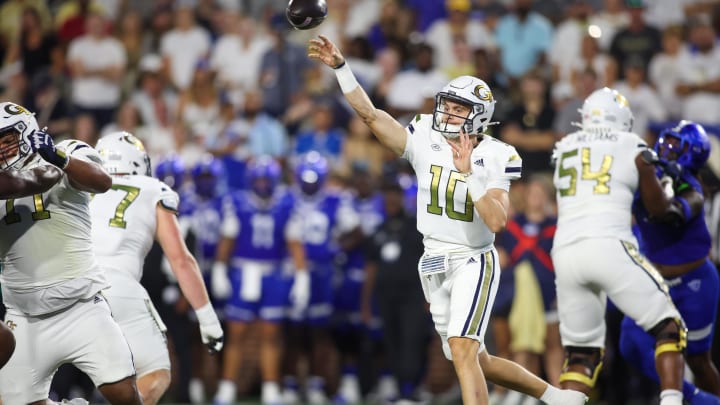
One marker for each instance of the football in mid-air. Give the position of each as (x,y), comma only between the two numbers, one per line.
(306,14)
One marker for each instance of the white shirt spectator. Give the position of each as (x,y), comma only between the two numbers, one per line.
(664,74)
(409,88)
(696,69)
(94,91)
(361,16)
(238,63)
(184,48)
(440,37)
(645,104)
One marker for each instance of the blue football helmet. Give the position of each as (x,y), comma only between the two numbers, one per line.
(171,171)
(687,144)
(206,175)
(263,176)
(311,172)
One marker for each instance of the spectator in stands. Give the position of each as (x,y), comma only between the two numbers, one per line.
(645,101)
(51,108)
(129,31)
(528,126)
(35,47)
(244,45)
(458,27)
(71,18)
(184,45)
(393,26)
(409,87)
(360,146)
(11,17)
(664,69)
(199,104)
(637,39)
(609,19)
(584,84)
(700,74)
(97,64)
(567,41)
(321,135)
(523,38)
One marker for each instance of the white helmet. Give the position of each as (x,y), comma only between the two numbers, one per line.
(468,91)
(123,153)
(606,109)
(21,122)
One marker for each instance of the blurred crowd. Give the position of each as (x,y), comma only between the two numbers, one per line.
(231,79)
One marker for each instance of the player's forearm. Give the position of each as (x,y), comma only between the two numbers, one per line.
(297,253)
(88,176)
(492,212)
(191,283)
(387,130)
(17,184)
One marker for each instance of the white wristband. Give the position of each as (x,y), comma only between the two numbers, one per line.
(475,186)
(346,78)
(206,314)
(219,267)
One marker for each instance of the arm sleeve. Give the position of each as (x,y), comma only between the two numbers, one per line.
(505,168)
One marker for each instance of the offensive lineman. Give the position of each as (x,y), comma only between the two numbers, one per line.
(125,221)
(51,283)
(595,252)
(462,201)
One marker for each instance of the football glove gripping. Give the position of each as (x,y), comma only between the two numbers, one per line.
(211,332)
(42,143)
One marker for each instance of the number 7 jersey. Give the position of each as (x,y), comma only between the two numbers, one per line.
(596,178)
(125,221)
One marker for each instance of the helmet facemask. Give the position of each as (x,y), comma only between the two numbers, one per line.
(13,148)
(468,103)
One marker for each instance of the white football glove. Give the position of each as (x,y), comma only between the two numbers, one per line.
(210,330)
(300,291)
(668,187)
(219,281)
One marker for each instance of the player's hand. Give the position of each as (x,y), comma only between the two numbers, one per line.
(672,169)
(300,292)
(325,51)
(219,281)
(462,149)
(42,143)
(211,332)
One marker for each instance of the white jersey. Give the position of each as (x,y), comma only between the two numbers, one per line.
(596,178)
(446,215)
(47,257)
(124,224)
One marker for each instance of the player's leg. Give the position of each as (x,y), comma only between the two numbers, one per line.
(274,300)
(103,354)
(641,293)
(319,311)
(581,309)
(145,334)
(696,299)
(473,283)
(27,375)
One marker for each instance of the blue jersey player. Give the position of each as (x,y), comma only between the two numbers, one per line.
(679,250)
(330,226)
(267,234)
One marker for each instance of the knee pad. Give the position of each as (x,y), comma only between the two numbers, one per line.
(670,336)
(582,365)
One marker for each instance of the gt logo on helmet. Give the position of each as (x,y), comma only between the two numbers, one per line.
(482,92)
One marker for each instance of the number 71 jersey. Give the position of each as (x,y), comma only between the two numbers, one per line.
(125,221)
(596,178)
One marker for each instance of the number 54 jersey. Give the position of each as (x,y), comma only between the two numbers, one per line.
(596,178)
(124,226)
